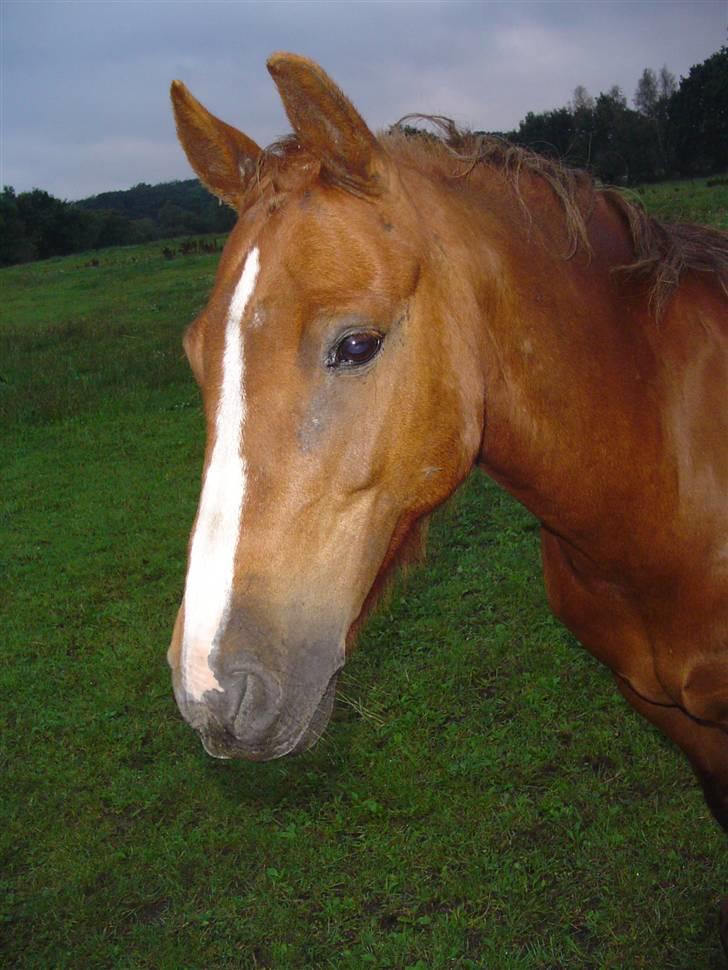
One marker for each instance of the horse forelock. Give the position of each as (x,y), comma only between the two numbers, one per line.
(287,166)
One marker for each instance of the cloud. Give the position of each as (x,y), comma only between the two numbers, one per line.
(85,95)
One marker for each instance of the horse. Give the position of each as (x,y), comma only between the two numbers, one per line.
(392,311)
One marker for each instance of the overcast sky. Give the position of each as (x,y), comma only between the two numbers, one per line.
(84,103)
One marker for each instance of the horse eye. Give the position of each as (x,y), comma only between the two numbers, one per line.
(356,349)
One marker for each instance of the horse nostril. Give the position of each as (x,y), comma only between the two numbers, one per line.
(258,706)
(249,704)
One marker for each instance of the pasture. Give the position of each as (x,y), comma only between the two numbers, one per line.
(483,797)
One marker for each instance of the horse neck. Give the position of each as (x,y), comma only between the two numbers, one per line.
(570,429)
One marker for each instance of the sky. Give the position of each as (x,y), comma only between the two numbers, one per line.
(84,84)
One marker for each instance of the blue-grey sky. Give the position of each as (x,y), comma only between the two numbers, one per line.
(84,103)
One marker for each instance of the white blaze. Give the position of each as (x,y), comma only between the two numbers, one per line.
(209,583)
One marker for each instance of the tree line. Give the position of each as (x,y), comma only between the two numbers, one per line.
(36,225)
(672,129)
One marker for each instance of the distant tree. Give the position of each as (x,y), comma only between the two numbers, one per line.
(46,223)
(698,113)
(581,100)
(666,84)
(582,111)
(174,220)
(609,144)
(15,246)
(616,143)
(550,132)
(652,100)
(617,96)
(624,148)
(145,229)
(113,229)
(646,94)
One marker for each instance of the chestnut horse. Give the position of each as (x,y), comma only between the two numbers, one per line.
(389,312)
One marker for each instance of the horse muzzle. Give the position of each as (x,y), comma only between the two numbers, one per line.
(252,719)
(273,694)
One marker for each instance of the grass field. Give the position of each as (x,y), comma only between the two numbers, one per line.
(482,799)
(689,200)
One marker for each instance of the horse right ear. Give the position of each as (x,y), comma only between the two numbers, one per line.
(224,158)
(328,124)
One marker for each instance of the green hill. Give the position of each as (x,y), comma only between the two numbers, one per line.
(36,225)
(173,208)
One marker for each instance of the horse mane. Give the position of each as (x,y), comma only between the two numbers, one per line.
(663,252)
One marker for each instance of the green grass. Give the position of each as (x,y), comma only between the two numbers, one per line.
(482,799)
(689,200)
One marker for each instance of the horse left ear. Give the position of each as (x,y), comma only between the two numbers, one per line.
(224,158)
(328,125)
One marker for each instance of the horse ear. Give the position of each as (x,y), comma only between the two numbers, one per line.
(327,123)
(224,158)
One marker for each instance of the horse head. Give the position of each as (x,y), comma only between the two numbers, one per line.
(343,402)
